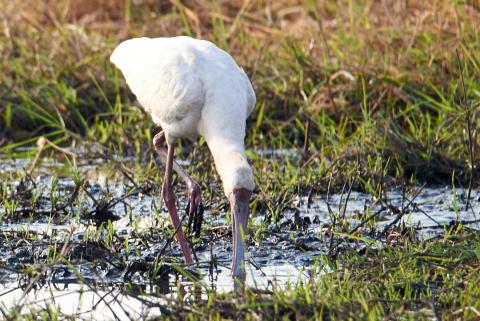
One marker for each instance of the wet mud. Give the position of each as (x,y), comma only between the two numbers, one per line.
(98,238)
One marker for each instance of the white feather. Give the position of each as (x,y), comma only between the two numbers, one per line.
(191,87)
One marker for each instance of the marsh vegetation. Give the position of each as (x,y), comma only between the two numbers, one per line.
(364,145)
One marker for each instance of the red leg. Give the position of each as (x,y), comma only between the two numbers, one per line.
(194,191)
(169,198)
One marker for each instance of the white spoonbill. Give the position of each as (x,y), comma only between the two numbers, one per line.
(191,87)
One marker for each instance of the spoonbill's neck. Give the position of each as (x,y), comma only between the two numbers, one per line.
(232,165)
(236,174)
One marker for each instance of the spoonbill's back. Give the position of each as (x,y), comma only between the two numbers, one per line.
(191,87)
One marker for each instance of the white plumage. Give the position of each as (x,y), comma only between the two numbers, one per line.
(191,87)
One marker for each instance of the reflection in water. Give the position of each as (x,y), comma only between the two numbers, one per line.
(139,301)
(87,303)
(285,254)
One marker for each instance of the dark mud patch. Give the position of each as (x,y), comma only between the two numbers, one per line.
(110,237)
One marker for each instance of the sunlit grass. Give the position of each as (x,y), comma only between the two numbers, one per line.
(378,84)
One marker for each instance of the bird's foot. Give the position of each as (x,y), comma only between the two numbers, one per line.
(195,208)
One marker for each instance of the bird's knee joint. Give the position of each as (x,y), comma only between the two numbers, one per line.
(157,142)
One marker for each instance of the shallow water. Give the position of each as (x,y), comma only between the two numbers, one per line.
(114,302)
(286,254)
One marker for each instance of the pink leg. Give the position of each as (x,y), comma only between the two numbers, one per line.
(169,197)
(194,191)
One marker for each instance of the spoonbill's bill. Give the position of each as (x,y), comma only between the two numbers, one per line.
(191,87)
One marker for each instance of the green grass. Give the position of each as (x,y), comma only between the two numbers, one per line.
(374,86)
(436,278)
(379,86)
(422,281)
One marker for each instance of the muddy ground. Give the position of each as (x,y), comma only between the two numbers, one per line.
(95,239)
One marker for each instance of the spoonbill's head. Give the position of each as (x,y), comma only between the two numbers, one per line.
(239,204)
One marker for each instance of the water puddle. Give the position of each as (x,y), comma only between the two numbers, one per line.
(83,302)
(94,302)
(40,219)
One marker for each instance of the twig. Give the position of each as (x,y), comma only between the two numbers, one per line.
(348,194)
(41,143)
(468,120)
(402,212)
(307,136)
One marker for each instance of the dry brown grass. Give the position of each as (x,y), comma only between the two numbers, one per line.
(307,59)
